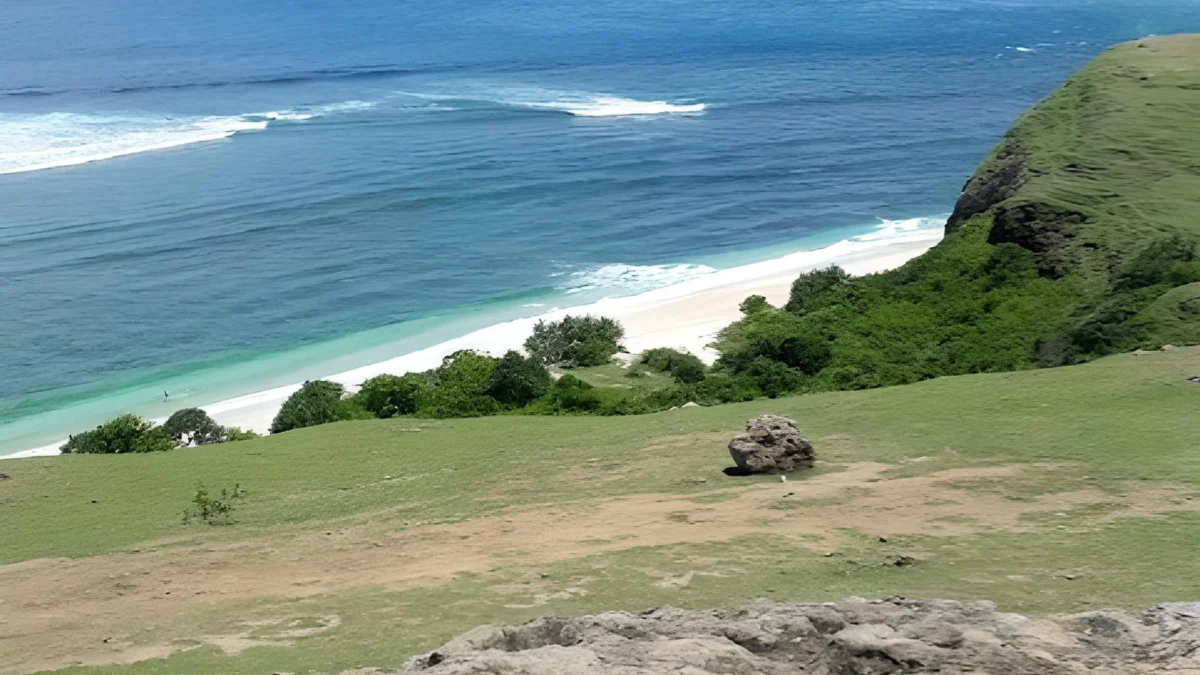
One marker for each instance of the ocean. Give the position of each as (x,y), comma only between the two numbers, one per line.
(224,197)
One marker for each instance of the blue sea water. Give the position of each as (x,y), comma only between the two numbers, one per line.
(219,197)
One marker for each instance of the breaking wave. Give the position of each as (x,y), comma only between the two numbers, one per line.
(579,104)
(632,278)
(33,142)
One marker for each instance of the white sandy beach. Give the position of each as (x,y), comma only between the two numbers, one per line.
(685,316)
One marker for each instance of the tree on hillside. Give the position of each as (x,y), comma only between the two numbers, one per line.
(754,304)
(461,386)
(233,434)
(193,426)
(811,289)
(392,395)
(517,380)
(317,402)
(575,340)
(685,368)
(120,435)
(777,335)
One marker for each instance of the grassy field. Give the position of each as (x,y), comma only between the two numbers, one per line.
(360,543)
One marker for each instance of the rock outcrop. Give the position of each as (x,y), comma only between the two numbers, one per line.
(771,444)
(853,637)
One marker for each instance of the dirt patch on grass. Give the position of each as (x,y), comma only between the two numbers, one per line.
(60,612)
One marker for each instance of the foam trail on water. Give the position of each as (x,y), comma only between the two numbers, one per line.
(633,278)
(36,142)
(579,104)
(51,140)
(594,105)
(619,107)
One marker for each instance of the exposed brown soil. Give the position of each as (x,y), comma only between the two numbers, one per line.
(42,602)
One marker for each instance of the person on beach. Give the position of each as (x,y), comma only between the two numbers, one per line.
(166,396)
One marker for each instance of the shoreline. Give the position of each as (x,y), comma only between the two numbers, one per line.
(686,315)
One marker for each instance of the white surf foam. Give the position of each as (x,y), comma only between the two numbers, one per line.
(608,106)
(45,141)
(50,140)
(593,105)
(633,278)
(579,104)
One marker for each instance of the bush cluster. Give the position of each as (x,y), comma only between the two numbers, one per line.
(966,306)
(130,433)
(575,341)
(685,368)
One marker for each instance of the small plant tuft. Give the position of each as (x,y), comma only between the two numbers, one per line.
(213,510)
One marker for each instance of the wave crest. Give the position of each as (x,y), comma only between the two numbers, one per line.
(632,278)
(52,140)
(613,106)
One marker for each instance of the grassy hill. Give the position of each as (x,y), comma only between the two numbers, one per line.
(1103,165)
(361,542)
(1077,237)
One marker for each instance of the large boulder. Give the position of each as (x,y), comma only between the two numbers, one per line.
(771,444)
(853,637)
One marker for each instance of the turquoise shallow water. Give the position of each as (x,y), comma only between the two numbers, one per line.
(216,198)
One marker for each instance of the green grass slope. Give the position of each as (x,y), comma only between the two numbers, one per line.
(1102,462)
(1071,241)
(1104,164)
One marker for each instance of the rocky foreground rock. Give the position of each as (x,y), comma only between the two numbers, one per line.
(853,637)
(771,444)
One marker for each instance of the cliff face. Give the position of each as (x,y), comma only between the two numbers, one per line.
(1107,162)
(850,637)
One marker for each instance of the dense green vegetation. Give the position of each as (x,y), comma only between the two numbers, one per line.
(316,402)
(130,433)
(575,341)
(120,435)
(1076,238)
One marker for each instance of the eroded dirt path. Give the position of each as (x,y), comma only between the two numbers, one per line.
(60,612)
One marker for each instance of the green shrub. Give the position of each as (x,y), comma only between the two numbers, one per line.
(233,434)
(571,394)
(317,402)
(392,395)
(1155,263)
(460,387)
(518,380)
(773,377)
(813,290)
(193,426)
(124,434)
(560,342)
(351,409)
(754,304)
(718,388)
(591,353)
(213,510)
(685,368)
(776,335)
